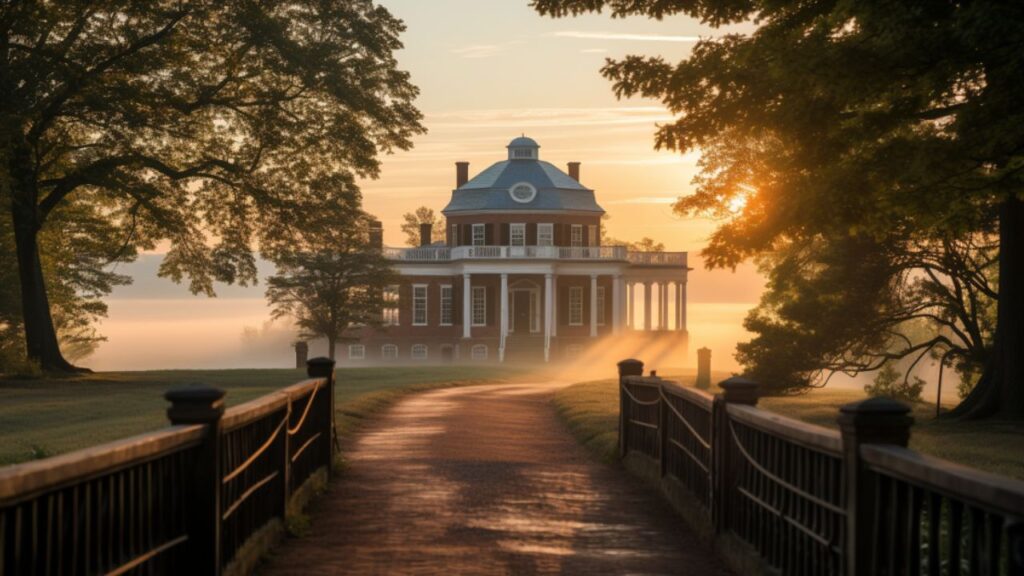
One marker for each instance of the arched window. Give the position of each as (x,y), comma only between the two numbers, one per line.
(418,352)
(479,352)
(389,351)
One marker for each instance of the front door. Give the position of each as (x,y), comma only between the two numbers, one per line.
(521,312)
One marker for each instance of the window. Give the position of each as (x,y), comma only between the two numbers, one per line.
(522,192)
(517,234)
(479,235)
(418,352)
(356,351)
(390,308)
(576,238)
(446,305)
(545,234)
(600,305)
(389,351)
(575,306)
(455,235)
(478,352)
(522,152)
(592,235)
(479,306)
(419,304)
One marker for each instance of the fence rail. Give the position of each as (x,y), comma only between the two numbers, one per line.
(183,500)
(796,499)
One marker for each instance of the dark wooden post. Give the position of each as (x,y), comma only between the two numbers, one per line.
(324,368)
(724,457)
(1015,542)
(663,420)
(871,421)
(201,405)
(628,367)
(704,368)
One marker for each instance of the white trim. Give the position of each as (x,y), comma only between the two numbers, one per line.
(362,352)
(384,349)
(483,291)
(512,228)
(576,235)
(483,234)
(420,300)
(441,305)
(550,233)
(417,349)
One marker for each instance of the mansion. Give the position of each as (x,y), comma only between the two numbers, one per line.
(521,276)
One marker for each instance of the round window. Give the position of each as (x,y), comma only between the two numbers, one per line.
(522,192)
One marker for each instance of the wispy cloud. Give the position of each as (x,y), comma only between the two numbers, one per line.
(484,50)
(585,35)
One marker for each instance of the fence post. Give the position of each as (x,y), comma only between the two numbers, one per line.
(735,390)
(324,368)
(871,421)
(628,367)
(704,368)
(1015,543)
(201,405)
(663,420)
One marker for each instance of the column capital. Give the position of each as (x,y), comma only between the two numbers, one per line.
(594,275)
(549,275)
(504,275)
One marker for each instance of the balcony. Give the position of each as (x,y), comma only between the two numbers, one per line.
(587,253)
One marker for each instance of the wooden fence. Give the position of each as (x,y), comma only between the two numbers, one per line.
(182,500)
(776,495)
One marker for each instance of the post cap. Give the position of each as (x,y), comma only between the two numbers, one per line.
(740,390)
(195,404)
(320,367)
(631,367)
(878,420)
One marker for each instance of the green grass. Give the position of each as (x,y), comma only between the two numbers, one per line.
(590,410)
(49,416)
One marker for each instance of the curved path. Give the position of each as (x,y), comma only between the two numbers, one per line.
(485,480)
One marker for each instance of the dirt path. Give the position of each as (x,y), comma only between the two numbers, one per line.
(485,480)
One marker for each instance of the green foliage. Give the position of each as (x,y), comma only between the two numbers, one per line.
(889,382)
(208,127)
(411,225)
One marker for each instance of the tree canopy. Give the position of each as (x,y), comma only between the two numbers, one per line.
(851,122)
(209,129)
(411,225)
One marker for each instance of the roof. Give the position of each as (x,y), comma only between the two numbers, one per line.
(489,190)
(523,141)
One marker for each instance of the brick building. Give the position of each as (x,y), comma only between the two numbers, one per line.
(522,275)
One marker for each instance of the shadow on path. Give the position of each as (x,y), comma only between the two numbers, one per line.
(485,480)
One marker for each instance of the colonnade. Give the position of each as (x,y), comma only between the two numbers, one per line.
(656,312)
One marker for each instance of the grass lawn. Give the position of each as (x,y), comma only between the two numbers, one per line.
(591,411)
(44,417)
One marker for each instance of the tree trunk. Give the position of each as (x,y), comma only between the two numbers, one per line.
(40,336)
(1000,391)
(331,344)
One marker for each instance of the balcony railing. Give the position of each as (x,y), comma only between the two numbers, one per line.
(606,253)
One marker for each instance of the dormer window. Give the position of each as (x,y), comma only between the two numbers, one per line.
(522,192)
(522,153)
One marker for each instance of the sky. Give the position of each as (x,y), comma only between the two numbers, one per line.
(488,71)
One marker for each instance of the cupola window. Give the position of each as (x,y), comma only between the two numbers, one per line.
(523,192)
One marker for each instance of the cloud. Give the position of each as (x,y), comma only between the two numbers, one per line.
(484,50)
(584,35)
(594,50)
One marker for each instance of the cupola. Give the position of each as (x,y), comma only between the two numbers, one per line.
(523,148)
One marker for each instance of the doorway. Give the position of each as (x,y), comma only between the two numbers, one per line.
(521,311)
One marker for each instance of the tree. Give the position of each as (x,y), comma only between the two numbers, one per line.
(422,215)
(332,280)
(853,119)
(646,245)
(202,126)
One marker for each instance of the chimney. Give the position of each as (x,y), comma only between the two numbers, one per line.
(574,171)
(376,234)
(425,229)
(461,173)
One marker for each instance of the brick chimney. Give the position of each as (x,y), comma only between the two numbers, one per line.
(461,173)
(574,171)
(376,234)
(425,229)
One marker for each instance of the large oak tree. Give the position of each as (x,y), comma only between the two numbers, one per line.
(201,127)
(852,120)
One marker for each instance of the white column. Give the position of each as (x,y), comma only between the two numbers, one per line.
(554,305)
(503,317)
(682,305)
(631,293)
(616,304)
(593,305)
(547,315)
(467,306)
(663,306)
(647,305)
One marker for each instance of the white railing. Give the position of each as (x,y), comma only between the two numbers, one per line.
(657,258)
(620,253)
